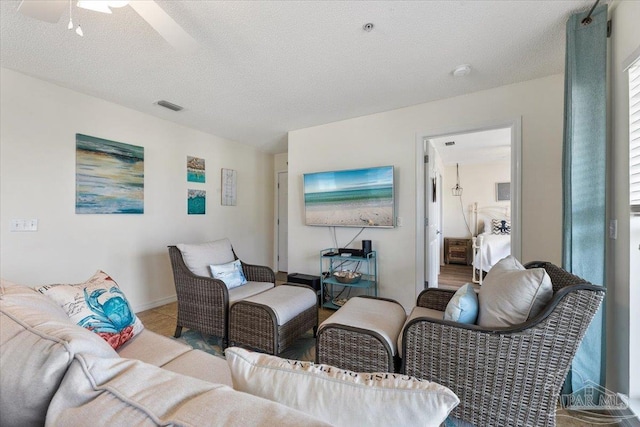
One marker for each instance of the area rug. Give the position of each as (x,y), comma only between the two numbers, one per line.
(303,349)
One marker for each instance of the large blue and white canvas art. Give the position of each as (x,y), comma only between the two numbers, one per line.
(109,176)
(350,198)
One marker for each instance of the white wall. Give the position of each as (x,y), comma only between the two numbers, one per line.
(390,138)
(37,145)
(623,293)
(478,181)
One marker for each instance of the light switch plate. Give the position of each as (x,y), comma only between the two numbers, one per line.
(24,225)
(613,229)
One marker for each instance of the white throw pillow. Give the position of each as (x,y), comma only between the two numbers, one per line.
(230,273)
(511,294)
(341,397)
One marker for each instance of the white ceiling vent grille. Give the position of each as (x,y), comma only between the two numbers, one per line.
(171,106)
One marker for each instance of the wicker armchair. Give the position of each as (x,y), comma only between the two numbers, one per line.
(504,376)
(203,302)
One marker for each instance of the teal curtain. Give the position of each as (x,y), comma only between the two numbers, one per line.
(584,178)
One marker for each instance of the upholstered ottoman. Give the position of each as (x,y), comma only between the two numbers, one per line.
(361,336)
(272,320)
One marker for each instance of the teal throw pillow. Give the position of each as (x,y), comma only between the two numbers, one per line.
(463,307)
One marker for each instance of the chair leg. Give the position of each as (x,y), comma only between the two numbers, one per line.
(178,332)
(315,331)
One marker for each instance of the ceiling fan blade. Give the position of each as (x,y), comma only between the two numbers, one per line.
(169,29)
(43,10)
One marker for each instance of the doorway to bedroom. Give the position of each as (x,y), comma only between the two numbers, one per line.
(471,198)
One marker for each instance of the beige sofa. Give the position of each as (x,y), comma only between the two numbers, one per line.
(54,372)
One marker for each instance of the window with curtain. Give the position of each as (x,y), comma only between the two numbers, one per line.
(634,137)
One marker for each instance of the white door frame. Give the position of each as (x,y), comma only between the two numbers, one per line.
(276,215)
(515,124)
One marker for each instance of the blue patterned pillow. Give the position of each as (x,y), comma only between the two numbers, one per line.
(230,273)
(500,226)
(463,307)
(99,306)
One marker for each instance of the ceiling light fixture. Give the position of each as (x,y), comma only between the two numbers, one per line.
(368,27)
(457,190)
(462,70)
(103,6)
(70,25)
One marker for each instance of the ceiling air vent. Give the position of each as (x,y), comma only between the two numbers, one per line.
(169,105)
(450,143)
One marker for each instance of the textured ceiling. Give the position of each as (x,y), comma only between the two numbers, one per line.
(266,67)
(475,147)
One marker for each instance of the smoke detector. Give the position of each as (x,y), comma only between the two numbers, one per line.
(462,70)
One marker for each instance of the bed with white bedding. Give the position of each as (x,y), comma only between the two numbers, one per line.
(494,242)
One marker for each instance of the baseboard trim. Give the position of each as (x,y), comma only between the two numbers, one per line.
(156,303)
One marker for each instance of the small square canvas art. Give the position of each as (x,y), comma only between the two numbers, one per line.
(503,191)
(195,169)
(196,202)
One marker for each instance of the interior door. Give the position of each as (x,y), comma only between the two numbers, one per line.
(432,220)
(283,220)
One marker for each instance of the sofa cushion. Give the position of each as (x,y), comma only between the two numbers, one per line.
(201,365)
(463,306)
(511,294)
(415,313)
(230,273)
(37,345)
(340,397)
(153,348)
(98,305)
(129,392)
(198,257)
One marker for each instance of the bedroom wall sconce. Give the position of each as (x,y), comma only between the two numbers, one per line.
(457,190)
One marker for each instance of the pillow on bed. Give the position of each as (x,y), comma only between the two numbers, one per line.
(500,226)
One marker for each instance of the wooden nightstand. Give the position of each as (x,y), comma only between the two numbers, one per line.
(457,251)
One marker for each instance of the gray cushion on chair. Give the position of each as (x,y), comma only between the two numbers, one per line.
(511,294)
(198,257)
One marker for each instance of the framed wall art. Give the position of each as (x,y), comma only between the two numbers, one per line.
(109,176)
(503,191)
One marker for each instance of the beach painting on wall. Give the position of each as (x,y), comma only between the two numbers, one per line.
(196,202)
(195,169)
(109,176)
(350,198)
